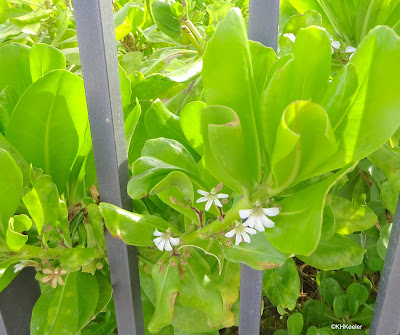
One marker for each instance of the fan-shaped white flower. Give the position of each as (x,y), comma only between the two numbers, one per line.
(257,217)
(164,240)
(335,45)
(350,50)
(212,197)
(241,232)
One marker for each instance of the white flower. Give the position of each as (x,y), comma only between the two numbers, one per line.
(257,216)
(350,50)
(335,45)
(164,240)
(290,36)
(212,197)
(241,232)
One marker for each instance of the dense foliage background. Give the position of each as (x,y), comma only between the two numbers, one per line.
(311,131)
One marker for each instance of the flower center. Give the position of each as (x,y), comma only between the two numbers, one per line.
(239,228)
(166,235)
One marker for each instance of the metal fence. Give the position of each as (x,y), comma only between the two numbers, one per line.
(98,52)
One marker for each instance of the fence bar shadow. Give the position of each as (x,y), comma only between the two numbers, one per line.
(16,303)
(98,53)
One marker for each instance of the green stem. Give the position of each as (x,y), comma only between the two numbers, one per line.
(194,30)
(192,39)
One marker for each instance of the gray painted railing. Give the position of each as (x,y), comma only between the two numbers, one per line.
(94,21)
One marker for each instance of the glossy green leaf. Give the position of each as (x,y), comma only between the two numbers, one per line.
(259,254)
(350,218)
(225,149)
(161,156)
(45,207)
(383,241)
(56,308)
(132,228)
(190,119)
(88,296)
(262,59)
(357,292)
(198,291)
(160,122)
(19,160)
(305,77)
(371,112)
(7,277)
(335,253)
(178,186)
(282,285)
(304,140)
(165,19)
(228,282)
(209,246)
(234,89)
(295,324)
(10,189)
(316,312)
(166,285)
(298,226)
(388,160)
(14,67)
(49,122)
(16,226)
(329,288)
(72,259)
(44,58)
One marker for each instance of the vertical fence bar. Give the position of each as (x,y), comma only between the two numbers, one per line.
(98,53)
(385,319)
(16,303)
(263,28)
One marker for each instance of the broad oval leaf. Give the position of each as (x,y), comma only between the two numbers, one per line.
(10,189)
(49,122)
(44,58)
(132,228)
(259,254)
(282,285)
(14,237)
(336,253)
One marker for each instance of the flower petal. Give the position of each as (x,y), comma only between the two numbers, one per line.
(251,231)
(202,199)
(258,225)
(268,223)
(204,193)
(250,221)
(160,245)
(47,271)
(274,211)
(217,202)
(174,240)
(335,44)
(231,233)
(157,233)
(238,239)
(60,281)
(167,246)
(245,213)
(222,195)
(157,240)
(350,49)
(54,282)
(47,278)
(246,237)
(208,204)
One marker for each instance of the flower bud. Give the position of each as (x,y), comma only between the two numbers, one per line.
(219,187)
